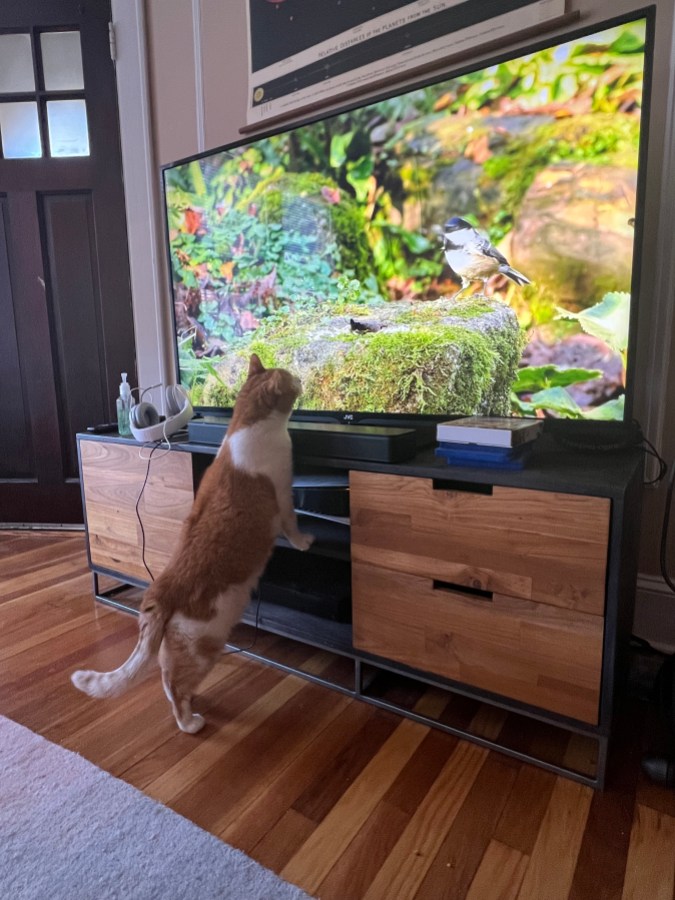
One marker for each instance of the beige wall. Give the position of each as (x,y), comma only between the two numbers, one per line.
(197,62)
(173,78)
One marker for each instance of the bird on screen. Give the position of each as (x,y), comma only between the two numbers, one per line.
(472,257)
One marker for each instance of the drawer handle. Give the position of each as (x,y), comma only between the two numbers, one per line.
(466,487)
(477,593)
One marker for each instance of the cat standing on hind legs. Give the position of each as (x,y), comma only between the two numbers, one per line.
(244,502)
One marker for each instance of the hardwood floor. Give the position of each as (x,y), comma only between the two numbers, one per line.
(342,798)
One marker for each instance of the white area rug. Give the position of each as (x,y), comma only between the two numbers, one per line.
(69,831)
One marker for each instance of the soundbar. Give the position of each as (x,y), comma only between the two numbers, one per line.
(370,443)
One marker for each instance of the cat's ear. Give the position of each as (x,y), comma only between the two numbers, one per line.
(255,367)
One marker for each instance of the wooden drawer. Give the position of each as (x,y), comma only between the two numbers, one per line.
(528,544)
(112,477)
(531,652)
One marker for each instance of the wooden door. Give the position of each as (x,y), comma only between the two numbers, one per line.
(65,299)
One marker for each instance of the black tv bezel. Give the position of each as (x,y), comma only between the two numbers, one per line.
(590,428)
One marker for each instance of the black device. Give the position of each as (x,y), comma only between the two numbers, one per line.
(104,428)
(364,442)
(659,764)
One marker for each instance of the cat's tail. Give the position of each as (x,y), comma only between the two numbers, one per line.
(152,622)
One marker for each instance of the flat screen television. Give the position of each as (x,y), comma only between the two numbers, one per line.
(469,245)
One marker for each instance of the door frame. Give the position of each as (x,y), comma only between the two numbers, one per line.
(57,212)
(153,325)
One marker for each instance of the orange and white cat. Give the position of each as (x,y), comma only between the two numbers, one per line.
(243,503)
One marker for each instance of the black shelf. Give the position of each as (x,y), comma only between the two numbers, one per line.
(302,626)
(331,539)
(308,583)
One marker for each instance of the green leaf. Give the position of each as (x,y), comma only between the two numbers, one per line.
(198,183)
(360,169)
(535,378)
(556,400)
(211,369)
(338,148)
(607,320)
(358,175)
(628,42)
(415,242)
(611,411)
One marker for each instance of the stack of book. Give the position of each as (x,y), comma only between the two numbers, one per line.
(487,441)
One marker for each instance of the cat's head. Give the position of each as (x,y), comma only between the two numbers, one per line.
(267,390)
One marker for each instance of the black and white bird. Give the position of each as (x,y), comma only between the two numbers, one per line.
(472,257)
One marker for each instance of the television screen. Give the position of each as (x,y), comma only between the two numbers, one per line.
(462,247)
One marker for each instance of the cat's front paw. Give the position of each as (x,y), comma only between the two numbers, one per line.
(301,540)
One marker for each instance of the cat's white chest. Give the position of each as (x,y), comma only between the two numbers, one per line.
(263,449)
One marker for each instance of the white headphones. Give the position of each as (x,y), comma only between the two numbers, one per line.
(146,423)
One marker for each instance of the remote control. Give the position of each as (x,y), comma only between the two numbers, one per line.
(106,428)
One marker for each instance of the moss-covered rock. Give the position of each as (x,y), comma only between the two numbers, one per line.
(442,357)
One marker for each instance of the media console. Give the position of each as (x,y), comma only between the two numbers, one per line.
(514,589)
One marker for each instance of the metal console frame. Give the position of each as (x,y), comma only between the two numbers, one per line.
(359,692)
(111,597)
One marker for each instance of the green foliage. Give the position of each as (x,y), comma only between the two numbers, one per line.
(194,371)
(555,399)
(349,289)
(538,378)
(607,320)
(605,72)
(561,403)
(610,411)
(397,252)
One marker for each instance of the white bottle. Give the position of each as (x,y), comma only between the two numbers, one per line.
(124,404)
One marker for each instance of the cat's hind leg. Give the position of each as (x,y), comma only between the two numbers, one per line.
(186,720)
(185,663)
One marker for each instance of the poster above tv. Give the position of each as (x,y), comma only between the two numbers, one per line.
(303,58)
(468,246)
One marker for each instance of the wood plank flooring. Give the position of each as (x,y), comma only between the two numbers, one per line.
(342,798)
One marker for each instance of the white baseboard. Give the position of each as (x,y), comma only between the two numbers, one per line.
(654,618)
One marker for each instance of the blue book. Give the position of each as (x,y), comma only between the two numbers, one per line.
(484,456)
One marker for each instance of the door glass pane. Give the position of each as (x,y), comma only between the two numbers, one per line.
(19,130)
(62,60)
(16,64)
(68,133)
